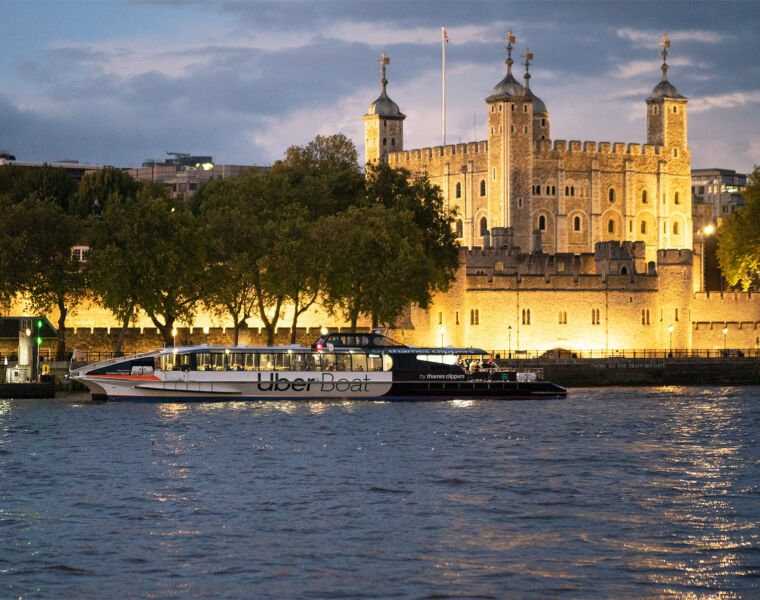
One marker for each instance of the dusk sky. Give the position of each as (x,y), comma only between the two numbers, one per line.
(119,82)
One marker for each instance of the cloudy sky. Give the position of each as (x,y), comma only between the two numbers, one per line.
(118,82)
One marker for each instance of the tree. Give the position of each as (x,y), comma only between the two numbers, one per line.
(17,183)
(378,263)
(40,235)
(100,185)
(151,254)
(739,238)
(411,271)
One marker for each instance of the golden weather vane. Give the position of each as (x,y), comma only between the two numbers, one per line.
(510,39)
(665,43)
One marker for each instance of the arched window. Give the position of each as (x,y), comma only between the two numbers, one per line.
(624,270)
(567,190)
(612,195)
(643,227)
(643,196)
(385,141)
(675,228)
(554,191)
(477,317)
(526,316)
(676,200)
(393,141)
(472,317)
(460,229)
(576,224)
(529,317)
(548,190)
(611,226)
(482,187)
(563,317)
(572,190)
(459,190)
(483,226)
(542,223)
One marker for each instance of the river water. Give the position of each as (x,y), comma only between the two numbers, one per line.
(611,493)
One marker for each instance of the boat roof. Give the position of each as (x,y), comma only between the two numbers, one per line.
(297,348)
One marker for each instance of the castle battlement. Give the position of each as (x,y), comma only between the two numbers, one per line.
(673,256)
(438,152)
(583,282)
(721,298)
(589,147)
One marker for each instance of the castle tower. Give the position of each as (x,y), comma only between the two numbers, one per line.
(666,127)
(666,110)
(383,123)
(510,173)
(541,128)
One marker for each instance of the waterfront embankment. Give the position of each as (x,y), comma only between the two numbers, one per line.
(600,372)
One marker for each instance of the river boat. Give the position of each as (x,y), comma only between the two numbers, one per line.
(365,366)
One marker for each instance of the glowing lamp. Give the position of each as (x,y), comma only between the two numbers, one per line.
(323,331)
(709,229)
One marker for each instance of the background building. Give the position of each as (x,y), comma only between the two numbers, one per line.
(719,188)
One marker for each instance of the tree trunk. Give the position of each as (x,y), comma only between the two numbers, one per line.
(165,329)
(235,331)
(122,334)
(60,350)
(293,324)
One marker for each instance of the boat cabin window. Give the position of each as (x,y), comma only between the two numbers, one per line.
(374,362)
(172,362)
(274,361)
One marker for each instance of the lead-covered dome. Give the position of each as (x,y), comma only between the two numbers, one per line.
(384,106)
(508,87)
(538,104)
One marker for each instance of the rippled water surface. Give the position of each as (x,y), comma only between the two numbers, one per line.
(613,493)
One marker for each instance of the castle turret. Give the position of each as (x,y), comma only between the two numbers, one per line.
(541,129)
(510,173)
(383,123)
(666,111)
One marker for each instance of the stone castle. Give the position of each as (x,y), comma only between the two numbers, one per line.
(564,245)
(574,245)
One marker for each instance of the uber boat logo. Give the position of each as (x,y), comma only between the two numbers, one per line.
(272,382)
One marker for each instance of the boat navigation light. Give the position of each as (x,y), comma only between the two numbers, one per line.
(320,345)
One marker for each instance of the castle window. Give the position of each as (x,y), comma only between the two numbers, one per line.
(562,317)
(393,141)
(567,190)
(675,228)
(624,270)
(595,316)
(472,316)
(547,190)
(676,315)
(493,131)
(645,316)
(513,108)
(483,186)
(500,107)
(543,137)
(525,129)
(675,109)
(643,227)
(385,122)
(460,229)
(519,202)
(494,173)
(512,128)
(554,191)
(664,228)
(643,196)
(456,317)
(576,224)
(543,124)
(525,108)
(542,223)
(477,317)
(459,190)
(611,226)
(612,195)
(385,141)
(572,190)
(483,226)
(675,152)
(440,318)
(676,199)
(526,316)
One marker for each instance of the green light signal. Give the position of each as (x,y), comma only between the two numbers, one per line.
(39,341)
(39,324)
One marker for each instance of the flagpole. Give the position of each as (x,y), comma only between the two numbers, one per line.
(443,54)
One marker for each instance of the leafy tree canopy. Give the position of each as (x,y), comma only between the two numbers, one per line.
(100,185)
(17,183)
(739,238)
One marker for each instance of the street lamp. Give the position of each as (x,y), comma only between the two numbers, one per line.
(670,329)
(706,232)
(443,331)
(725,333)
(323,331)
(509,341)
(174,336)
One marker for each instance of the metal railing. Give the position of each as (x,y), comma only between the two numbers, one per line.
(643,353)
